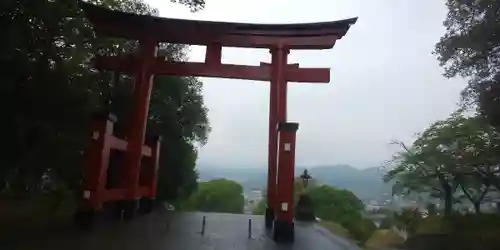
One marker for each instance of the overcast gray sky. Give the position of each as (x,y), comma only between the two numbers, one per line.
(385,83)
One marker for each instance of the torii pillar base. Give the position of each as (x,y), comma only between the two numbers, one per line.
(269,216)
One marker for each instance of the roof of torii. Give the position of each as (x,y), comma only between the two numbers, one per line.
(294,36)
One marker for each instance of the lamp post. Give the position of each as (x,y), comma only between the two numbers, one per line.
(305,210)
(305,178)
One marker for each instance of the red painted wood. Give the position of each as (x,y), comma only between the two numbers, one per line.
(149,168)
(114,194)
(272,153)
(213,54)
(94,181)
(256,73)
(305,42)
(279,58)
(143,191)
(121,145)
(289,66)
(278,97)
(140,108)
(239,41)
(286,167)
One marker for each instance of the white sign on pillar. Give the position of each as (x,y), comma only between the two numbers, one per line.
(288,147)
(284,206)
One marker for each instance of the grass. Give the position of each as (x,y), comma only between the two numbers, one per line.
(384,238)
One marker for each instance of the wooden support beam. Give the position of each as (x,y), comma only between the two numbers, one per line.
(121,145)
(290,65)
(213,54)
(257,73)
(114,194)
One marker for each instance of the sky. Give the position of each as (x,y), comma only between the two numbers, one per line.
(385,83)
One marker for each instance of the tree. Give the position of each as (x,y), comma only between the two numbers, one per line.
(260,208)
(420,170)
(471,48)
(49,91)
(453,153)
(222,196)
(334,204)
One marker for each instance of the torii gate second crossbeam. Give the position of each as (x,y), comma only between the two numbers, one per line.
(149,31)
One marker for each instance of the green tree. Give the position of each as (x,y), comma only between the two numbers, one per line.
(260,208)
(48,80)
(343,207)
(335,204)
(470,48)
(222,196)
(424,168)
(455,153)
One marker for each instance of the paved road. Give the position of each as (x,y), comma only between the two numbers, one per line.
(162,231)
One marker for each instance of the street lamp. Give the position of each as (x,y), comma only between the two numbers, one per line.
(305,178)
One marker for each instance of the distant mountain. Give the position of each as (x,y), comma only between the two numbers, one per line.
(365,183)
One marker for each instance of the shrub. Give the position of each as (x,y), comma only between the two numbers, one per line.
(361,230)
(385,238)
(474,222)
(387,222)
(433,225)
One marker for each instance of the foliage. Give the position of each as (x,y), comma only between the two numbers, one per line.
(385,239)
(473,222)
(460,152)
(458,223)
(433,225)
(48,79)
(343,207)
(222,196)
(334,204)
(361,230)
(260,208)
(408,219)
(387,222)
(471,48)
(458,232)
(194,5)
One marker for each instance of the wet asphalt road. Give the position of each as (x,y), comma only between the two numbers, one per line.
(182,231)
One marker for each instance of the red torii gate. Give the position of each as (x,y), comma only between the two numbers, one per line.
(149,31)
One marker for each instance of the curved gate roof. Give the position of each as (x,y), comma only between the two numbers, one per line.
(112,23)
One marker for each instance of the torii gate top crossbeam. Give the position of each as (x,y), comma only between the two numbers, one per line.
(292,36)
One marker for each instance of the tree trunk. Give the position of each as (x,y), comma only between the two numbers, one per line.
(477,207)
(447,200)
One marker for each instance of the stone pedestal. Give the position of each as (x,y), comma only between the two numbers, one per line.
(304,211)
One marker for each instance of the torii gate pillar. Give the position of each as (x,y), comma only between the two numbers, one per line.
(277,114)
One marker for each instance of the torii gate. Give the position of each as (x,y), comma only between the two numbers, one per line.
(140,183)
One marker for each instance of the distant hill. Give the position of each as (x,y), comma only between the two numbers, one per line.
(365,183)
